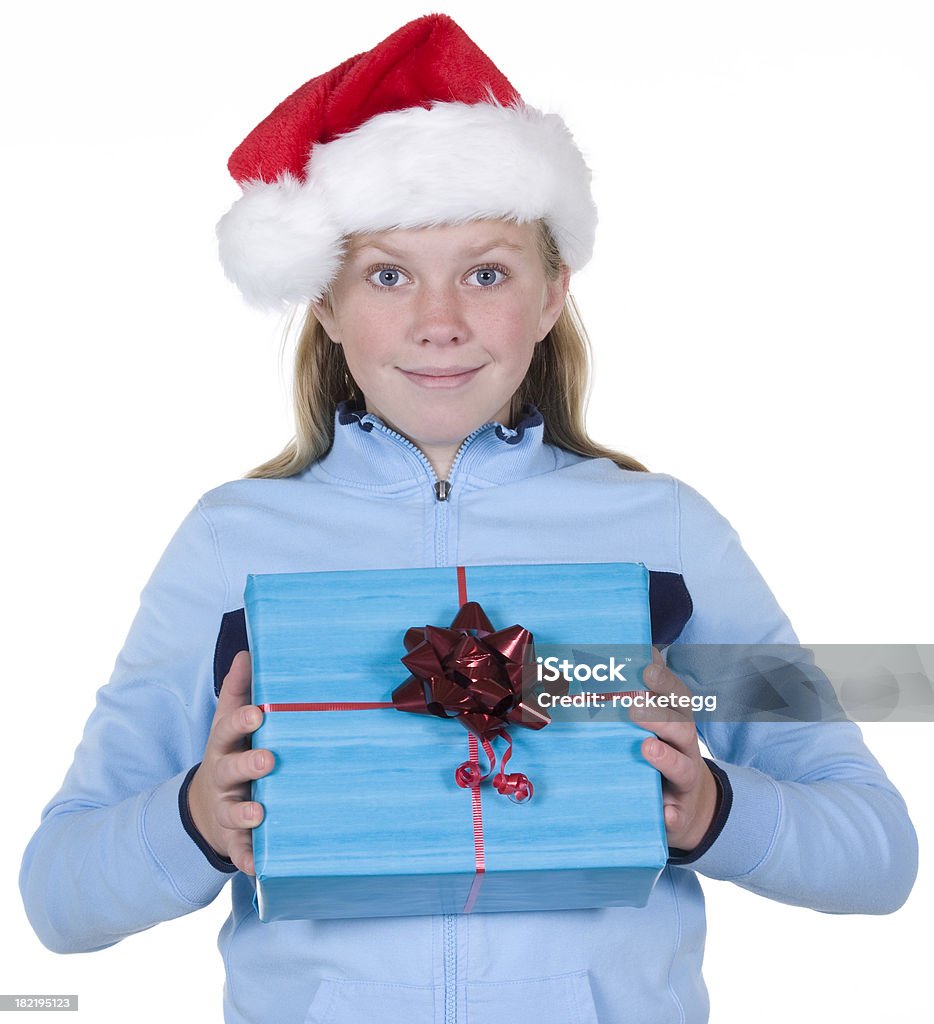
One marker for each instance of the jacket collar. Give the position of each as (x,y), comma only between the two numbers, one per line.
(366,453)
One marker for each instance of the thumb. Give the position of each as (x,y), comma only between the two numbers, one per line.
(236,687)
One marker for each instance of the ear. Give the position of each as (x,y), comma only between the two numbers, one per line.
(324,311)
(555,294)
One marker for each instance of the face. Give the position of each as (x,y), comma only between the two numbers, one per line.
(438,325)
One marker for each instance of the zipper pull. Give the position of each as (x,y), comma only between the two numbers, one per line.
(442,490)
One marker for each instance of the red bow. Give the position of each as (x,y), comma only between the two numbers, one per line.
(475,674)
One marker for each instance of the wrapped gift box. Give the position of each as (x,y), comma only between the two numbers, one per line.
(363,815)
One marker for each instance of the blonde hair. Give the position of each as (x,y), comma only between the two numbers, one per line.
(557,383)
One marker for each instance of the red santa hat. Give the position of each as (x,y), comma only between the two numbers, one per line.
(421,130)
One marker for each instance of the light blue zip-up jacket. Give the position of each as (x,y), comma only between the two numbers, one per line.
(811,817)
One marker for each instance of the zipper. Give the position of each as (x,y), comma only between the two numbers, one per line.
(442,490)
(449,924)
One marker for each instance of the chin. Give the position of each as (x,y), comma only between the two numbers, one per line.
(445,430)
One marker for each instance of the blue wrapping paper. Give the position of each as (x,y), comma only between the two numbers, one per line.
(363,817)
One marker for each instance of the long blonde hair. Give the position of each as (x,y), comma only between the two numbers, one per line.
(557,383)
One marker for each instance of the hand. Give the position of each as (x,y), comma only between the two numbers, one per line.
(219,792)
(689,790)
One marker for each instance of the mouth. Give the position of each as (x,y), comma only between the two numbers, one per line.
(441,376)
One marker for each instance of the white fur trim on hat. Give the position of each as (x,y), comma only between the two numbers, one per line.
(282,242)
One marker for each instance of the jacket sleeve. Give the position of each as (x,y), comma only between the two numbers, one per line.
(813,820)
(111,856)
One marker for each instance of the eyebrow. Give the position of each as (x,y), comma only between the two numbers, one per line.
(480,250)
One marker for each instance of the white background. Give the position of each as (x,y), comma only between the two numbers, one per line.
(760,308)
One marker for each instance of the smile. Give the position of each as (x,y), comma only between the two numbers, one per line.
(441,377)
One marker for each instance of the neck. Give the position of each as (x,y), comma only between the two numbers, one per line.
(441,458)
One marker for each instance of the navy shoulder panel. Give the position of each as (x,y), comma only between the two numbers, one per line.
(670,605)
(231,640)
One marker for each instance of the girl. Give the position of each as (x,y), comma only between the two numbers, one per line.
(439,391)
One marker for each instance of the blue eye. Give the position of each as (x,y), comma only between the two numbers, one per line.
(385,277)
(488,277)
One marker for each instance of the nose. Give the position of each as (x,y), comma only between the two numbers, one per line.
(439,315)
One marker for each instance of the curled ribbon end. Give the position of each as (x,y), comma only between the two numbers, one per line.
(516,786)
(468,775)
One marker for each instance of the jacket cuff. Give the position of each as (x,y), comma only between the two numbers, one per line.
(721,813)
(172,852)
(216,861)
(747,836)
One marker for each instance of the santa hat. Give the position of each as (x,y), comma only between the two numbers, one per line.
(421,130)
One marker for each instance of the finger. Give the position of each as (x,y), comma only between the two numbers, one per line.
(678,770)
(229,731)
(239,814)
(670,697)
(235,770)
(655,707)
(677,732)
(241,853)
(675,819)
(660,679)
(235,689)
(660,714)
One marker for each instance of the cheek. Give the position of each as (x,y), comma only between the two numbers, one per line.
(532,310)
(366,338)
(354,309)
(518,333)
(506,316)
